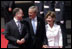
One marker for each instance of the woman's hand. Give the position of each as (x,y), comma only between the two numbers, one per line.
(45,46)
(60,47)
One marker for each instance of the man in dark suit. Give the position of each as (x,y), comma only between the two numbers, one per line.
(6,10)
(15,31)
(36,27)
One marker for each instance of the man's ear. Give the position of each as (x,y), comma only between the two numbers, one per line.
(15,14)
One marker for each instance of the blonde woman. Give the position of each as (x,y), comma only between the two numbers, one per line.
(53,32)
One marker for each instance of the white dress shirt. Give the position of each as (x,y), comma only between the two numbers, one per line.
(35,21)
(54,36)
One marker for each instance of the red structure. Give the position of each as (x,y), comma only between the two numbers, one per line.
(4,42)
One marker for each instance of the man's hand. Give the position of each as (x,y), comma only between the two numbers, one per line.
(19,42)
(23,40)
(10,9)
(45,46)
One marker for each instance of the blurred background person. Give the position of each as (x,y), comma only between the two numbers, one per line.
(6,10)
(61,19)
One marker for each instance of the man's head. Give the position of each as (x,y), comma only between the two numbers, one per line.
(18,13)
(33,10)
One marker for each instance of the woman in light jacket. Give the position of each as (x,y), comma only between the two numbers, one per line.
(53,32)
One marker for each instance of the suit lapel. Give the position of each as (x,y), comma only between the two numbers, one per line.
(15,26)
(22,25)
(31,28)
(38,23)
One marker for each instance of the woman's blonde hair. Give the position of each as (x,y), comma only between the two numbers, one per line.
(50,13)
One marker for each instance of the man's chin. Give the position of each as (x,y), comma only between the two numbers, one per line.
(30,17)
(20,19)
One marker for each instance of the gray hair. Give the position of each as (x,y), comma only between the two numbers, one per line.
(35,8)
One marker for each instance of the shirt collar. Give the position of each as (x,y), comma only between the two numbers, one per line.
(15,19)
(49,25)
(35,18)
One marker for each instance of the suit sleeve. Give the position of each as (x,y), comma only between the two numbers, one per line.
(45,41)
(45,38)
(26,30)
(26,36)
(44,33)
(7,34)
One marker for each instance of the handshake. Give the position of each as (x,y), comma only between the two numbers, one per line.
(20,42)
